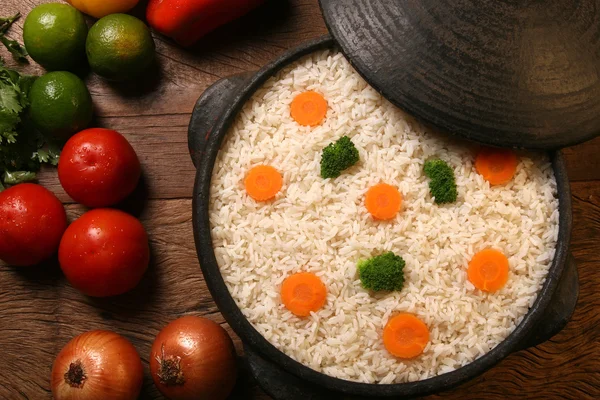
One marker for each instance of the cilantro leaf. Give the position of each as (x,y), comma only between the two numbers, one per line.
(25,83)
(47,153)
(16,177)
(17,50)
(23,149)
(11,105)
(6,22)
(10,99)
(8,124)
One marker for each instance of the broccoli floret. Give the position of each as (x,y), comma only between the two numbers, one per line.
(337,157)
(442,184)
(383,272)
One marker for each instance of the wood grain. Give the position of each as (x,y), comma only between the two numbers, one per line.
(40,312)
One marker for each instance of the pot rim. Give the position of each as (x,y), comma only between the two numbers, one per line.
(250,336)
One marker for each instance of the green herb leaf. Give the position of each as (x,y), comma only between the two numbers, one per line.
(25,82)
(6,22)
(48,153)
(17,50)
(16,177)
(8,123)
(10,99)
(22,147)
(11,105)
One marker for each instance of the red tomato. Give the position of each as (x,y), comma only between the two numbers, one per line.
(98,167)
(104,253)
(32,221)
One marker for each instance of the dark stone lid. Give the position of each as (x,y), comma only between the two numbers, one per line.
(512,73)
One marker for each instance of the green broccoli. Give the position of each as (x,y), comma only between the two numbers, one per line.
(337,157)
(383,272)
(442,184)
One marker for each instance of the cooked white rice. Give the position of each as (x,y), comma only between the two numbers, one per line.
(322,226)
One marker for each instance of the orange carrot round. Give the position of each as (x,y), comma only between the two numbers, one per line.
(488,270)
(309,108)
(405,336)
(497,166)
(302,293)
(263,182)
(383,201)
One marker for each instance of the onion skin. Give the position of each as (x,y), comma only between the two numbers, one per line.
(110,368)
(193,358)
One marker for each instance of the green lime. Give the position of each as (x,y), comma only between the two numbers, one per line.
(61,104)
(119,47)
(54,35)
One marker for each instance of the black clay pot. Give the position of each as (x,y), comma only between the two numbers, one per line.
(278,374)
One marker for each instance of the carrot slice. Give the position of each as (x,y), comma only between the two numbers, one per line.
(405,336)
(302,293)
(263,182)
(488,270)
(309,108)
(497,166)
(383,201)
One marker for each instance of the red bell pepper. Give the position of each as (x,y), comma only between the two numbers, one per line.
(186,21)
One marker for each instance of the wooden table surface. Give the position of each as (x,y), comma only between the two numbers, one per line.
(40,312)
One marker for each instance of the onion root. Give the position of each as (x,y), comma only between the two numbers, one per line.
(75,376)
(169,370)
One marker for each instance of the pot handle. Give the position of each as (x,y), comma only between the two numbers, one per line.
(560,309)
(209,108)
